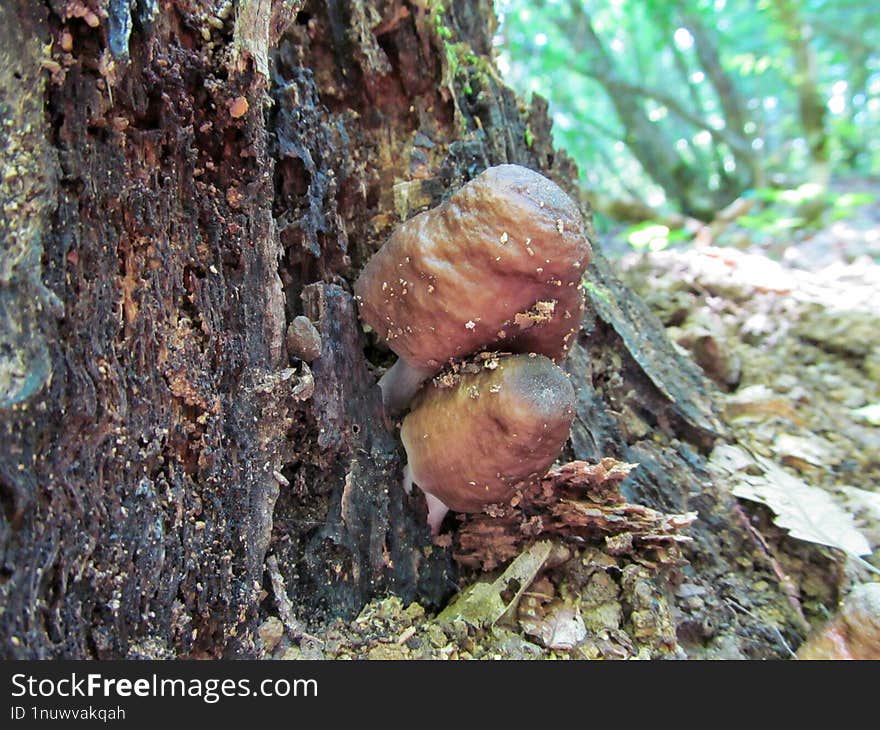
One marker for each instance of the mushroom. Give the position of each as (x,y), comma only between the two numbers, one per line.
(495,267)
(469,443)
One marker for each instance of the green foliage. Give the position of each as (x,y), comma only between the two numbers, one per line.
(778,211)
(651,236)
(842,206)
(444,32)
(660,50)
(807,206)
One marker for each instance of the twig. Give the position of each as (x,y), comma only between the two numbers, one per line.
(775,628)
(785,582)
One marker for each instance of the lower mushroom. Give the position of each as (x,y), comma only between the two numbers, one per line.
(471,438)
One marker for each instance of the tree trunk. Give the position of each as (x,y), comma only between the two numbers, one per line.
(812,109)
(650,146)
(736,115)
(181,181)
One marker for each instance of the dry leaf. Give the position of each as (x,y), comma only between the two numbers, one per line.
(808,513)
(560,626)
(758,402)
(800,452)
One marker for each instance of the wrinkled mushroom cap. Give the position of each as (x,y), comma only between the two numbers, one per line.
(470,444)
(497,266)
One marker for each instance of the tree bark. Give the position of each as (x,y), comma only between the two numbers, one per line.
(190,178)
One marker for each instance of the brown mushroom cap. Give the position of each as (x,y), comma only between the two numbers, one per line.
(470,444)
(497,266)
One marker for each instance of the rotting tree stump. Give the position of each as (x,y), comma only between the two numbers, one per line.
(181,181)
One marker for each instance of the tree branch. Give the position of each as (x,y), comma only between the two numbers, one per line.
(725,136)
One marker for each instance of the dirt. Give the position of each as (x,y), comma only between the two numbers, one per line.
(790,332)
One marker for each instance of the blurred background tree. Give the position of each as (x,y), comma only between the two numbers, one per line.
(686,106)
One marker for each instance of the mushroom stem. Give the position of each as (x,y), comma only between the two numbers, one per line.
(400,383)
(437,510)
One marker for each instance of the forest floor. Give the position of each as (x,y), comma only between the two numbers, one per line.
(788,327)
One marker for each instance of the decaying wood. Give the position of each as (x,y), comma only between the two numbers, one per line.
(194,178)
(579,504)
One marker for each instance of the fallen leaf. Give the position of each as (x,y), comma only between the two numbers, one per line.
(758,402)
(561,626)
(808,513)
(801,452)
